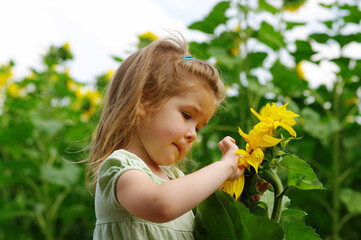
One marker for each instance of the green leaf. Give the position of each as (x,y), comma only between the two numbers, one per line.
(264,5)
(320,128)
(351,199)
(267,35)
(320,37)
(290,25)
(287,80)
(118,59)
(215,18)
(223,57)
(256,59)
(293,215)
(212,220)
(300,174)
(199,50)
(354,15)
(258,89)
(329,24)
(222,217)
(66,175)
(303,51)
(346,39)
(49,126)
(259,208)
(299,231)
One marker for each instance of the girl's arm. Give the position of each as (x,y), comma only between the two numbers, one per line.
(169,200)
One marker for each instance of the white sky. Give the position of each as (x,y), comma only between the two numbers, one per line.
(97,29)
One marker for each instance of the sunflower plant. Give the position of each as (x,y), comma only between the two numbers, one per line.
(229,213)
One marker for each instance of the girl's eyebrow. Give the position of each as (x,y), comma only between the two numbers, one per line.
(198,110)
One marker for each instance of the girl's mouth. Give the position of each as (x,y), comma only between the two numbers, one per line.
(178,147)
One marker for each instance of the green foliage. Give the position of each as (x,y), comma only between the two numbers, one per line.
(43,123)
(220,209)
(245,44)
(216,17)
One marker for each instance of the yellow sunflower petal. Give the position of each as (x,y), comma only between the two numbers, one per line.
(234,188)
(245,136)
(256,158)
(257,115)
(269,141)
(288,129)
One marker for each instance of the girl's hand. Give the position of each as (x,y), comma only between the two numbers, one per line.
(229,148)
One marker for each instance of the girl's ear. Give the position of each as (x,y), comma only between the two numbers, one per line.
(141,110)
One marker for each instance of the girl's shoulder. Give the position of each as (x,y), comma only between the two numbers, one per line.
(122,160)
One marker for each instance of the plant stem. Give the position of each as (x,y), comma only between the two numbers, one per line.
(271,177)
(336,186)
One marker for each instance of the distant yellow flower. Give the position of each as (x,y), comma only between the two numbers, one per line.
(79,92)
(237,28)
(109,75)
(32,76)
(94,97)
(15,91)
(293,5)
(67,72)
(87,100)
(149,35)
(67,46)
(53,77)
(299,70)
(85,116)
(234,51)
(71,85)
(351,101)
(5,74)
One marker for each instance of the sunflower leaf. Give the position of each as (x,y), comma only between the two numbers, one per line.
(222,217)
(299,231)
(300,174)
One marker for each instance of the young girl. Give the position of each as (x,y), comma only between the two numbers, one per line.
(157,101)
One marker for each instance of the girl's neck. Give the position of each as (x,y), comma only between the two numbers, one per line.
(147,160)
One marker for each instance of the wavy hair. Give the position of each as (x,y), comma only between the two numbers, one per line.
(149,77)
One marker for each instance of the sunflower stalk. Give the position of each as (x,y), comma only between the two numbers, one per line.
(271,177)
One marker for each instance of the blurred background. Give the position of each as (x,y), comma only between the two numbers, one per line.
(56,58)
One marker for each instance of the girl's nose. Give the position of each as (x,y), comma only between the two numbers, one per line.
(191,134)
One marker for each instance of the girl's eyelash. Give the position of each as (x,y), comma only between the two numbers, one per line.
(186,115)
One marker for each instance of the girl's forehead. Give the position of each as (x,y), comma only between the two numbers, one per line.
(201,99)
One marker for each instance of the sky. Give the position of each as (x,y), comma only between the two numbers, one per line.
(96,30)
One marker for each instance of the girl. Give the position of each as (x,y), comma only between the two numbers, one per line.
(157,101)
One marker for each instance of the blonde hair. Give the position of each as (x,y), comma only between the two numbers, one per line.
(149,77)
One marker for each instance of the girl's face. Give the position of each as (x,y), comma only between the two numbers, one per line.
(165,136)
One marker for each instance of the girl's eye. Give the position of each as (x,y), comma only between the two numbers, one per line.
(186,115)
